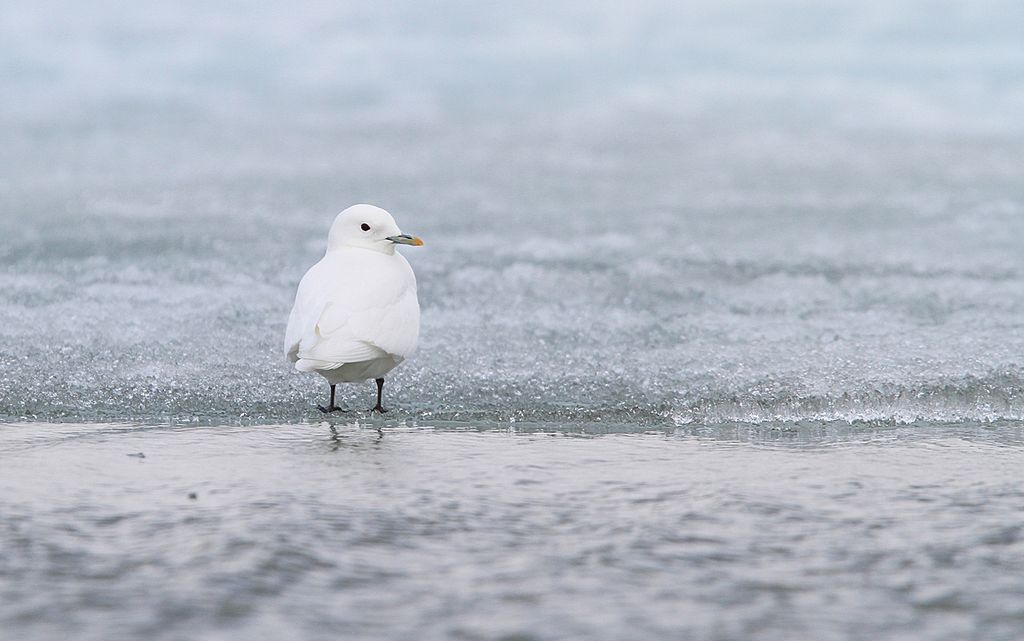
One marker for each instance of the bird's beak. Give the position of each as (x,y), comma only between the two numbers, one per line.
(406,239)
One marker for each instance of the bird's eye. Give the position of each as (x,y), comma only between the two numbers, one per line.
(364,227)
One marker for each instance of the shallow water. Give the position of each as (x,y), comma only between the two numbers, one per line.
(377,531)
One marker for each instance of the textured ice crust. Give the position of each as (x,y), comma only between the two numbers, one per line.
(638,231)
(602,327)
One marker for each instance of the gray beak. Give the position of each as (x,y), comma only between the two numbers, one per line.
(406,239)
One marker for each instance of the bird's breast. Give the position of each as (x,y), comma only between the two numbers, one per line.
(365,277)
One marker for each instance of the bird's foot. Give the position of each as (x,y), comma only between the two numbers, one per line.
(330,408)
(379,408)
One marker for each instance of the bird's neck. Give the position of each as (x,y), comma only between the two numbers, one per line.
(386,249)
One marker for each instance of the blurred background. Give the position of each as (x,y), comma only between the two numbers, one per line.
(645,213)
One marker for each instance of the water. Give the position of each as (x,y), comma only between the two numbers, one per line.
(741,237)
(355,530)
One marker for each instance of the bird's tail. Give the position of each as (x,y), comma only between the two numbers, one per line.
(313,365)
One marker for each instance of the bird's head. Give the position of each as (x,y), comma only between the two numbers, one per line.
(368,227)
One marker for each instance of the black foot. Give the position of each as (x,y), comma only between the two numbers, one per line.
(379,408)
(329,409)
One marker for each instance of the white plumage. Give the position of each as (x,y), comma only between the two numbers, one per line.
(356,315)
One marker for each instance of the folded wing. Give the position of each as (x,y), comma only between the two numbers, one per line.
(329,328)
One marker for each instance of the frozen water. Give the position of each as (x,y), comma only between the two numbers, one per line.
(654,215)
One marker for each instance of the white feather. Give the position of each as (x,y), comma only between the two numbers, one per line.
(356,315)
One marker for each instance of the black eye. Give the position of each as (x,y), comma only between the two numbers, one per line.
(364,227)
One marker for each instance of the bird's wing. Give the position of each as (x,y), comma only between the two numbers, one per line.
(301,327)
(310,300)
(332,330)
(345,334)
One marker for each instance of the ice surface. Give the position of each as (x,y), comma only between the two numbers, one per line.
(655,215)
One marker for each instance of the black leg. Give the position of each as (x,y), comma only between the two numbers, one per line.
(380,394)
(332,407)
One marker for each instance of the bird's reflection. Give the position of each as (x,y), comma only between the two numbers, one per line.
(338,438)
